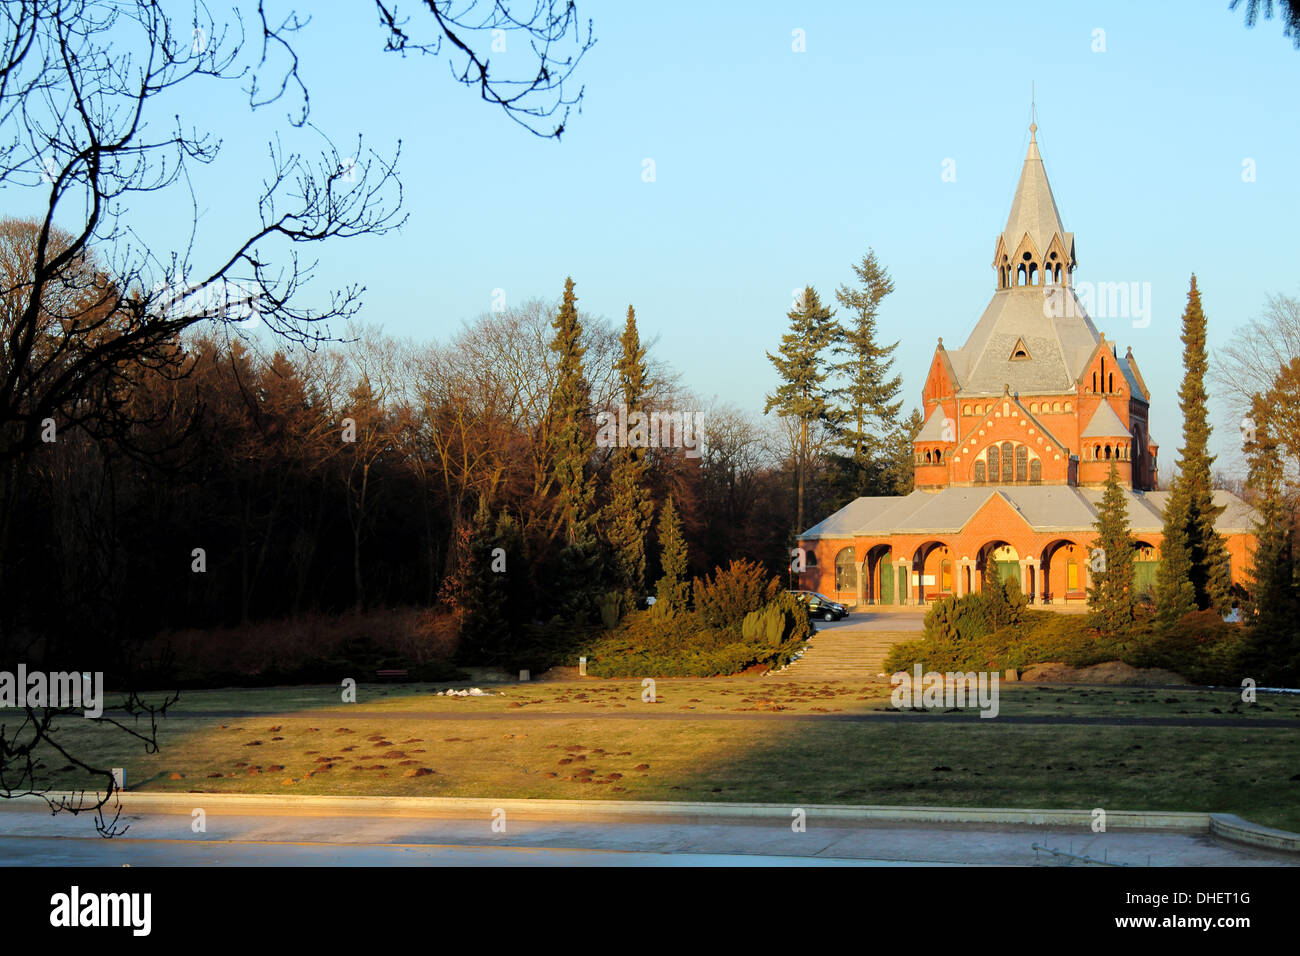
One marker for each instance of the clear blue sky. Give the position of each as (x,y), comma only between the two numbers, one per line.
(775,169)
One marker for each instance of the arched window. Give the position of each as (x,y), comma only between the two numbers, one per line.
(1096,452)
(1094,381)
(1035,470)
(1020,274)
(1033,273)
(938,456)
(1056,406)
(1110,382)
(993,463)
(980,474)
(1022,463)
(1008,465)
(846,578)
(927,457)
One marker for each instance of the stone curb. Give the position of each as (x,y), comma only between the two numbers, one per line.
(1228,827)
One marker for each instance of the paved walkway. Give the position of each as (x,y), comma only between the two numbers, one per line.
(30,836)
(855,648)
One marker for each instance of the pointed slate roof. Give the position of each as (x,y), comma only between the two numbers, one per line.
(1049,320)
(1033,210)
(1104,424)
(1059,345)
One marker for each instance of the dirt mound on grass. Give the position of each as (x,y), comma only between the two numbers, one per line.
(1107,672)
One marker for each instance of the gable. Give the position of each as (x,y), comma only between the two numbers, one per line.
(998,512)
(1105,424)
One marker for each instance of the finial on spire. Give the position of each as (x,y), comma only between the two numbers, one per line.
(1033,114)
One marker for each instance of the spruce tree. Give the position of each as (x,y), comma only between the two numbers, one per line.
(485,587)
(802,394)
(673,591)
(1110,590)
(572,439)
(901,476)
(630,510)
(869,398)
(1272,653)
(1190,514)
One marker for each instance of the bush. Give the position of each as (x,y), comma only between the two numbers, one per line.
(743,587)
(976,615)
(1200,646)
(657,643)
(968,640)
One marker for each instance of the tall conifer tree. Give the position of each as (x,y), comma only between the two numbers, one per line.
(1273,650)
(673,591)
(1110,590)
(869,397)
(802,394)
(630,508)
(1175,592)
(571,426)
(1191,513)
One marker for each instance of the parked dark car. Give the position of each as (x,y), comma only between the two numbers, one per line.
(819,605)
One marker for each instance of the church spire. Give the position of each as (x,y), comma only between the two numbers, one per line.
(1034,249)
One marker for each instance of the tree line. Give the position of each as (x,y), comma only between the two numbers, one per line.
(239,483)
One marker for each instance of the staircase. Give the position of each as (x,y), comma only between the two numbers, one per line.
(849,655)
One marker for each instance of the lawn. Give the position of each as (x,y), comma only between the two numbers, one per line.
(549,740)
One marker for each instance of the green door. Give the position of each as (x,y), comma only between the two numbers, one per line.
(1144,576)
(1008,571)
(887,575)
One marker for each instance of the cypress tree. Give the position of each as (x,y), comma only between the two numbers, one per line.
(802,394)
(1175,592)
(1110,590)
(630,508)
(673,591)
(1191,513)
(870,398)
(572,439)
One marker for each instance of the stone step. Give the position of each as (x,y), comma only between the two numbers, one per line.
(844,655)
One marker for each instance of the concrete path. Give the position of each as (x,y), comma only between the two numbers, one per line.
(30,836)
(855,648)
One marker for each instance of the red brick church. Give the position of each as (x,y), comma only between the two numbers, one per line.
(1022,424)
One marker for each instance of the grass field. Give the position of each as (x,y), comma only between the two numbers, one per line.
(549,740)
